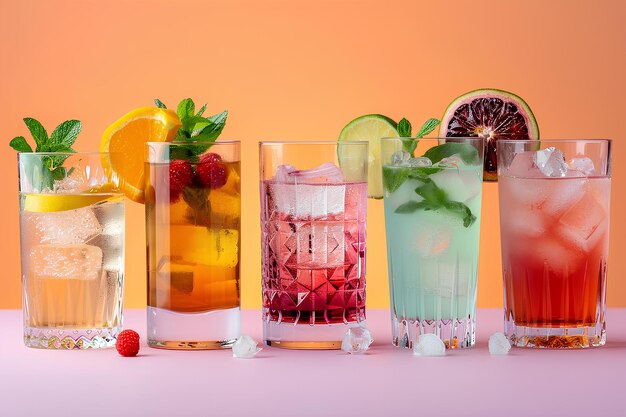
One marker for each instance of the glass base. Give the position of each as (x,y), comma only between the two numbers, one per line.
(59,338)
(305,336)
(216,329)
(455,333)
(555,337)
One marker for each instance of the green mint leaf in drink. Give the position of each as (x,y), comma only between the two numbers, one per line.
(38,133)
(412,206)
(461,210)
(19,144)
(404,128)
(466,151)
(428,127)
(159,104)
(65,134)
(393,177)
(198,200)
(431,193)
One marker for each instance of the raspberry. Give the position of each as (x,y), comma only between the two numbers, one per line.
(181,176)
(212,174)
(127,343)
(210,158)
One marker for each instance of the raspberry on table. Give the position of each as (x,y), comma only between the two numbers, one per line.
(127,343)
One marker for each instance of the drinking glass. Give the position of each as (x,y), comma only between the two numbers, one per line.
(432,197)
(72,250)
(554,221)
(313,208)
(193,233)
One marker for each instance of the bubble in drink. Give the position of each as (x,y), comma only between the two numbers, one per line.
(82,262)
(65,227)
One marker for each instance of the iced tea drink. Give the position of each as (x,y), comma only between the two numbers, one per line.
(554,216)
(193,238)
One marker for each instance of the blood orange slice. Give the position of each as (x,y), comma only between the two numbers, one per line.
(490,114)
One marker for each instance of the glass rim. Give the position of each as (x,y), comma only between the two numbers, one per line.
(553,140)
(217,142)
(313,142)
(65,153)
(433,138)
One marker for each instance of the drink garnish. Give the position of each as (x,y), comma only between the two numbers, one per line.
(61,140)
(195,128)
(127,343)
(404,130)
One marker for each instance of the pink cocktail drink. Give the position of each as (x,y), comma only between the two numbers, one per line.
(313,255)
(555,229)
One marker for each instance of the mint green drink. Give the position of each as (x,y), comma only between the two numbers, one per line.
(432,218)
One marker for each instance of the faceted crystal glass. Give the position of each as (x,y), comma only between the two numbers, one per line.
(313,209)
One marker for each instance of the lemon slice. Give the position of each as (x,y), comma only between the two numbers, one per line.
(62,202)
(124,141)
(371,128)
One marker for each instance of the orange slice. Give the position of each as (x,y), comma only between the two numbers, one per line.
(124,141)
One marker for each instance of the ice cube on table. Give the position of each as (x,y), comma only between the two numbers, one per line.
(400,158)
(499,344)
(245,347)
(551,162)
(357,340)
(583,165)
(429,344)
(65,227)
(80,262)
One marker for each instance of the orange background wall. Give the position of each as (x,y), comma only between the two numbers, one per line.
(295,70)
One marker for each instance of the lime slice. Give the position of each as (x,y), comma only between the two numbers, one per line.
(61,202)
(371,128)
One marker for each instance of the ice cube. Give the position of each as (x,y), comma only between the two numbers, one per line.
(562,194)
(451,161)
(400,158)
(80,262)
(550,162)
(523,166)
(357,340)
(325,173)
(307,201)
(459,185)
(584,223)
(499,344)
(525,222)
(66,227)
(429,344)
(283,173)
(419,162)
(583,165)
(245,347)
(432,240)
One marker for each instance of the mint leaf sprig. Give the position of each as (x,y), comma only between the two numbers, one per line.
(434,198)
(61,140)
(404,130)
(195,128)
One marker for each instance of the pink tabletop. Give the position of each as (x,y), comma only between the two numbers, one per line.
(387,381)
